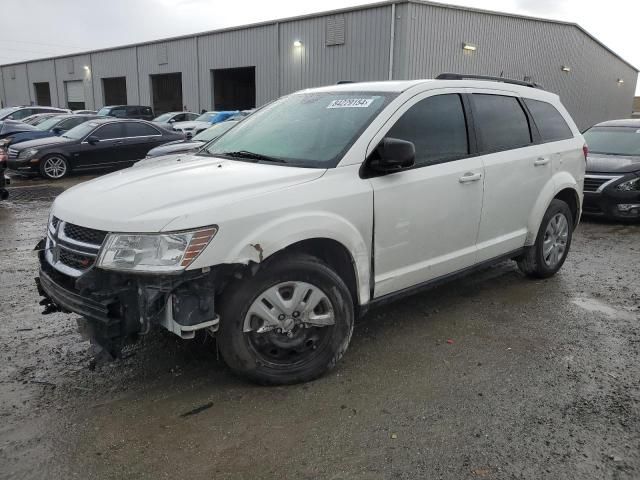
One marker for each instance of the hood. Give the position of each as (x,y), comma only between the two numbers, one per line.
(22,136)
(174,147)
(602,163)
(147,197)
(191,125)
(42,142)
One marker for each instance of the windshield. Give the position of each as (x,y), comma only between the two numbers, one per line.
(206,117)
(613,140)
(104,111)
(214,132)
(165,117)
(81,131)
(48,123)
(308,129)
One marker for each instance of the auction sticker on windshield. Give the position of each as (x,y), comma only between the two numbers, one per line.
(351,103)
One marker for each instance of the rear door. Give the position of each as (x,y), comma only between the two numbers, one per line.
(426,218)
(517,166)
(140,138)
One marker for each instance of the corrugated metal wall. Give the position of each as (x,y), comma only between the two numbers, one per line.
(170,57)
(428,40)
(517,47)
(240,48)
(115,63)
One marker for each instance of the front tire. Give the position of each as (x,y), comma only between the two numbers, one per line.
(544,258)
(54,167)
(289,323)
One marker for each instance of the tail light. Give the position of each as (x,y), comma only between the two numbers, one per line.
(585,150)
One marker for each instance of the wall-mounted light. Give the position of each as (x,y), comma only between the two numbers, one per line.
(297,43)
(564,68)
(86,67)
(469,47)
(620,81)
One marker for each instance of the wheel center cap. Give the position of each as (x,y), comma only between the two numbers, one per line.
(288,324)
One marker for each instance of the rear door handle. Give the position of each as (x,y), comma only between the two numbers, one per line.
(541,161)
(470,177)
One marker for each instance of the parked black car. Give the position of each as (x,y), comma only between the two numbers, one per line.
(612,180)
(18,113)
(127,111)
(98,144)
(192,144)
(53,126)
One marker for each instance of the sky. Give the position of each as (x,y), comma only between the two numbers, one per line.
(43,28)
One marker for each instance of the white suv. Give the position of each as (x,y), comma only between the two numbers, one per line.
(276,236)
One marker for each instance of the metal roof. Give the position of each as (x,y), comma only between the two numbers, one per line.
(332,12)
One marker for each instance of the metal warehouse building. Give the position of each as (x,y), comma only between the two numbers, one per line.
(243,67)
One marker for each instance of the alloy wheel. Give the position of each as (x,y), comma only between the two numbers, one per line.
(556,236)
(55,167)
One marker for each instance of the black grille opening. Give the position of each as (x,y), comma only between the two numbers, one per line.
(74,260)
(83,234)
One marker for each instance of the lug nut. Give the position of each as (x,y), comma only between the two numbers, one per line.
(281,317)
(296,314)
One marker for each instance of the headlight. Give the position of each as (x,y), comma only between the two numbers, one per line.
(28,153)
(166,252)
(630,185)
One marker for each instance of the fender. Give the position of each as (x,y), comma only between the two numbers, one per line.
(282,232)
(557,183)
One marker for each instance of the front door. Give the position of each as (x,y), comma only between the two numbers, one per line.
(427,217)
(111,149)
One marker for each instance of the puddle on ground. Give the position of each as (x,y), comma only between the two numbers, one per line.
(594,305)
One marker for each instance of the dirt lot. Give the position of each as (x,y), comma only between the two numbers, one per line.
(494,376)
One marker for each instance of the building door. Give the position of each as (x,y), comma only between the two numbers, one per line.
(234,88)
(115,90)
(43,94)
(75,95)
(166,92)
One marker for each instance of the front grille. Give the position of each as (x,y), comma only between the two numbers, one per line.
(13,153)
(75,260)
(593,182)
(83,234)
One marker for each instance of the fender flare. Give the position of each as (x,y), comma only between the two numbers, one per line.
(560,181)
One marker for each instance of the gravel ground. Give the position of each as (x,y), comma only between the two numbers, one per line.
(493,376)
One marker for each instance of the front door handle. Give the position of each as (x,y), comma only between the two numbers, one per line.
(541,161)
(470,177)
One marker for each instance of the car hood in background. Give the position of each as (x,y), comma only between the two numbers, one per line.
(149,196)
(192,125)
(174,147)
(601,163)
(42,142)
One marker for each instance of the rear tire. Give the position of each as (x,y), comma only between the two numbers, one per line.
(301,354)
(544,258)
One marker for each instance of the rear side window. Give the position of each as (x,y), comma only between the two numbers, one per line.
(109,131)
(70,123)
(501,122)
(437,128)
(135,129)
(550,123)
(133,110)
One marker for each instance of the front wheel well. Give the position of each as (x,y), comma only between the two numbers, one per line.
(570,197)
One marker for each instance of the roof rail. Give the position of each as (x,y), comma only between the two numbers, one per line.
(461,76)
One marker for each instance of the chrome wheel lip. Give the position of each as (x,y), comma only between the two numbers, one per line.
(556,237)
(55,167)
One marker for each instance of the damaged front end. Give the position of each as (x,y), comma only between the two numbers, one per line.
(117,306)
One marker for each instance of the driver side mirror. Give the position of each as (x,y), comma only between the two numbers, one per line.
(56,130)
(173,120)
(393,155)
(92,140)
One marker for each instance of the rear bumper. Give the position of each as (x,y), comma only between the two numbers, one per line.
(612,204)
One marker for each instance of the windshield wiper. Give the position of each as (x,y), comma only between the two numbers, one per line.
(252,156)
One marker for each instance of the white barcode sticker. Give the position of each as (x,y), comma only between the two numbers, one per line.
(351,103)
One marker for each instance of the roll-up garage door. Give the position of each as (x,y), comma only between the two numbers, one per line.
(75,95)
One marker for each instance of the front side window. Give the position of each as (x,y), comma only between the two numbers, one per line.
(165,117)
(20,114)
(48,124)
(613,140)
(437,127)
(118,112)
(206,117)
(81,131)
(109,131)
(104,111)
(551,125)
(306,129)
(501,122)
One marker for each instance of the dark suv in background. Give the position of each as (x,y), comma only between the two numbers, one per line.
(127,111)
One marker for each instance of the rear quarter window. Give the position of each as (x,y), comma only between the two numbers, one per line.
(551,124)
(501,122)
